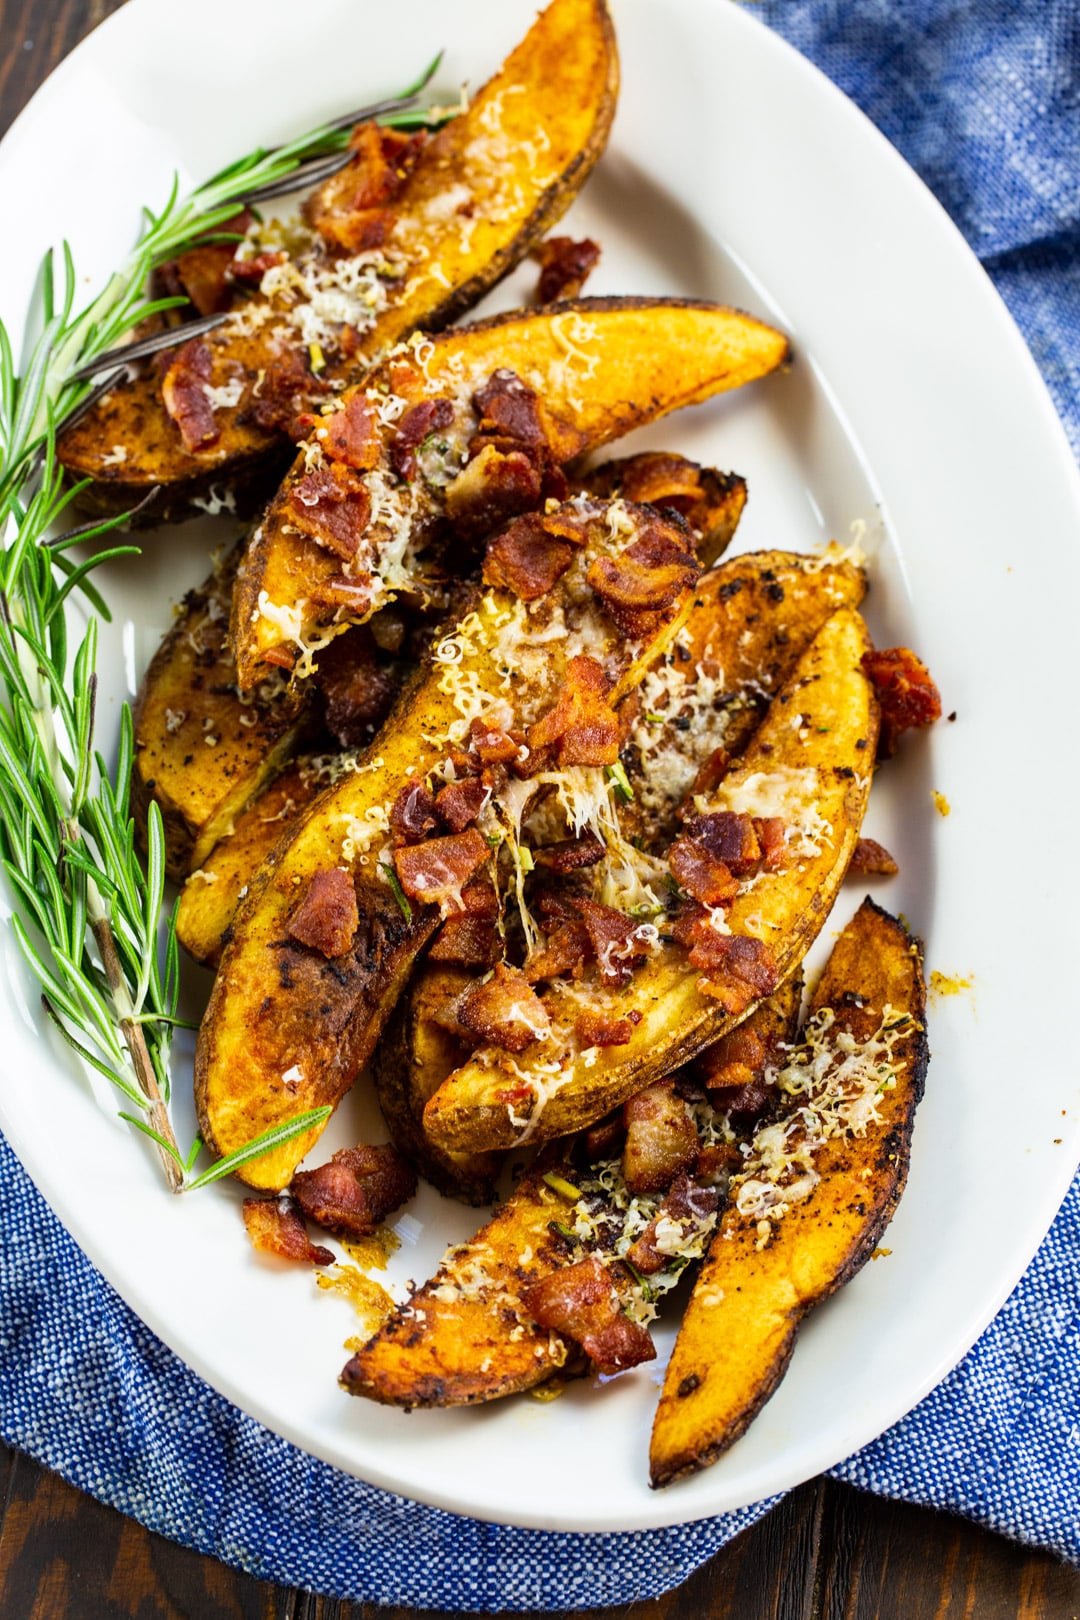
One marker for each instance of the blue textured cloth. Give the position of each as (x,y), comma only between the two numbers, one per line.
(983,98)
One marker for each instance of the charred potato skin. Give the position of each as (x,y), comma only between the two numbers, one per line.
(727,1360)
(201,751)
(568,67)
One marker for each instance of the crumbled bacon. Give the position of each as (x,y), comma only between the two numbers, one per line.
(327,917)
(356,1191)
(703,875)
(687,1205)
(351,435)
(906,692)
(615,940)
(459,803)
(493,487)
(471,939)
(282,393)
(275,1227)
(734,1071)
(417,424)
(565,266)
(738,968)
(202,273)
(509,408)
(571,854)
(413,814)
(358,690)
(661,1138)
(580,1302)
(332,506)
(436,871)
(562,953)
(349,210)
(871,859)
(647,577)
(769,831)
(526,559)
(491,745)
(730,837)
(183,393)
(505,1010)
(582,722)
(250,271)
(593,1028)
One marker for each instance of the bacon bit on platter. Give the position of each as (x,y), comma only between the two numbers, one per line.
(565,266)
(275,1227)
(356,1190)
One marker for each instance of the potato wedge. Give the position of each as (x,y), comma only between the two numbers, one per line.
(770,1264)
(464,1336)
(288,1027)
(811,762)
(601,366)
(411,1061)
(482,192)
(201,749)
(753,618)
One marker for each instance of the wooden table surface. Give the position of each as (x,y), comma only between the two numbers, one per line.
(827,1553)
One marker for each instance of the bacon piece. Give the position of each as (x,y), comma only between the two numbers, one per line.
(436,871)
(614,938)
(356,1190)
(580,1302)
(350,435)
(738,969)
(505,1010)
(526,559)
(769,831)
(561,955)
(906,692)
(568,522)
(703,875)
(710,773)
(327,917)
(415,426)
(459,803)
(413,814)
(282,393)
(357,689)
(249,272)
(276,1227)
(686,1205)
(728,836)
(647,577)
(470,940)
(332,506)
(582,722)
(510,409)
(594,1028)
(661,1138)
(571,854)
(491,488)
(871,859)
(202,273)
(349,210)
(565,266)
(183,393)
(733,1070)
(491,745)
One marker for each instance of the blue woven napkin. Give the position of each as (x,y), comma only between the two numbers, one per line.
(983,98)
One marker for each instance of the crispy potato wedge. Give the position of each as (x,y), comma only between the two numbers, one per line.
(753,618)
(288,1028)
(601,366)
(464,1336)
(811,759)
(411,1061)
(711,502)
(201,750)
(483,191)
(763,1275)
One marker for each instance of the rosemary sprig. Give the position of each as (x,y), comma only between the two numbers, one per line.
(88,917)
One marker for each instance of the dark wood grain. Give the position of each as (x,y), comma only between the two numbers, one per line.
(827,1553)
